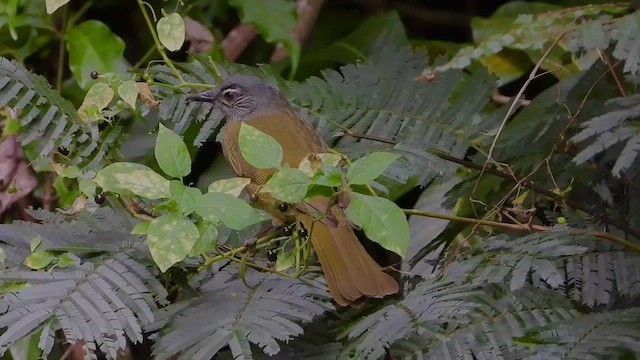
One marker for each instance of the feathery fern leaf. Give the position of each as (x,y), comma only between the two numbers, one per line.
(603,335)
(230,313)
(50,121)
(617,125)
(100,303)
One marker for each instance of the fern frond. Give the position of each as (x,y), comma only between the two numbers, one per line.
(230,313)
(102,304)
(49,121)
(608,334)
(580,30)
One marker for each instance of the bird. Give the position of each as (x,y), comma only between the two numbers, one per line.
(351,274)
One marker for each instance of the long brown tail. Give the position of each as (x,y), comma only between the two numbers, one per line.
(350,272)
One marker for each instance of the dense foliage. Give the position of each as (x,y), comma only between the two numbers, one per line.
(523,231)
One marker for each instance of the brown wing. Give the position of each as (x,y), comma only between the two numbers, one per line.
(296,136)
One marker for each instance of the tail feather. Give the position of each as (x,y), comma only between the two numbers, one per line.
(350,272)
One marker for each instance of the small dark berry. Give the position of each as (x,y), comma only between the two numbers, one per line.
(94,75)
(253,197)
(302,232)
(63,151)
(100,199)
(287,230)
(282,207)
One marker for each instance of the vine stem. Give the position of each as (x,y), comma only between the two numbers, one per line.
(209,261)
(156,40)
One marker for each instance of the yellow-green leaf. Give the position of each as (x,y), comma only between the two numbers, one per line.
(99,95)
(382,221)
(207,240)
(53,5)
(172,153)
(233,212)
(127,178)
(39,259)
(368,168)
(185,196)
(128,91)
(311,163)
(142,228)
(171,31)
(258,148)
(288,185)
(231,186)
(170,239)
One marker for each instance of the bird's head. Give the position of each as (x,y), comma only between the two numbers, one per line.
(242,97)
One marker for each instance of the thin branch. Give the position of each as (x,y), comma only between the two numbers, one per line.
(307,14)
(533,186)
(237,40)
(607,61)
(520,227)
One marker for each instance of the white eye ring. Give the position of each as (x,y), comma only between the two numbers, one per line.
(230,94)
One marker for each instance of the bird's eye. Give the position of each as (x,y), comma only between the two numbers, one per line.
(230,94)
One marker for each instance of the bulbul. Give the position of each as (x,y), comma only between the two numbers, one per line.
(350,272)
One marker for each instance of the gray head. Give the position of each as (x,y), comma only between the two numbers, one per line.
(242,97)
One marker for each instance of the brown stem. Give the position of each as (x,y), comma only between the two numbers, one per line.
(237,40)
(607,61)
(48,197)
(307,14)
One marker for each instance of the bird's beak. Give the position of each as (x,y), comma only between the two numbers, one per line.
(205,96)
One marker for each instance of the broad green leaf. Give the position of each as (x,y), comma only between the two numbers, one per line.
(231,186)
(368,168)
(35,242)
(70,171)
(288,185)
(99,95)
(382,221)
(142,228)
(87,187)
(92,47)
(172,153)
(328,176)
(128,91)
(311,163)
(53,5)
(67,259)
(170,239)
(126,178)
(39,259)
(274,20)
(184,196)
(171,31)
(259,149)
(284,261)
(207,240)
(231,211)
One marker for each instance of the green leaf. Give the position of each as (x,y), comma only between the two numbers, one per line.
(284,261)
(127,178)
(172,153)
(328,176)
(231,211)
(87,187)
(67,259)
(382,221)
(99,95)
(259,149)
(39,259)
(170,239)
(274,20)
(142,228)
(185,196)
(35,242)
(368,168)
(231,186)
(288,185)
(207,240)
(171,31)
(312,163)
(128,91)
(53,5)
(92,47)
